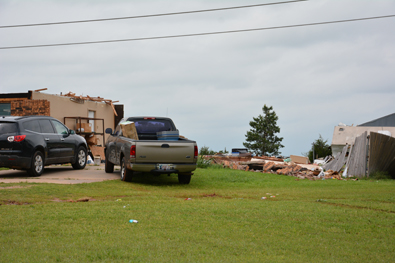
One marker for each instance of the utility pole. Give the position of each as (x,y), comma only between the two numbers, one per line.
(313,153)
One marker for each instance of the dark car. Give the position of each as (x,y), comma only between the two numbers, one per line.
(32,142)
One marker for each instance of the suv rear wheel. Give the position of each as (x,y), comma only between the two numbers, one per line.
(37,167)
(80,160)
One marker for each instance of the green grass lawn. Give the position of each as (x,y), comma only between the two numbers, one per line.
(225,220)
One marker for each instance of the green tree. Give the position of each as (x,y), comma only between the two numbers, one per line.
(261,138)
(321,149)
(205,150)
(223,151)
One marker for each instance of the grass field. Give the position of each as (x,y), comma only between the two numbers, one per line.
(224,220)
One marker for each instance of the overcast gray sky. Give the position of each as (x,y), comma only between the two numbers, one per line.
(212,86)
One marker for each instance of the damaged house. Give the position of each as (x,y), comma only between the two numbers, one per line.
(88,116)
(345,135)
(366,148)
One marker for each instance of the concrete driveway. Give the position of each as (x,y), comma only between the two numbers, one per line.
(62,175)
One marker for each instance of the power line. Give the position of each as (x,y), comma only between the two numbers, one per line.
(154,15)
(199,34)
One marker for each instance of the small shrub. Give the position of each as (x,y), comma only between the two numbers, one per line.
(202,162)
(216,166)
(380,175)
(205,150)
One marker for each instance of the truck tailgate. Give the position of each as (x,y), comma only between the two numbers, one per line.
(164,152)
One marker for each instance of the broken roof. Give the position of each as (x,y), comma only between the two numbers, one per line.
(386,121)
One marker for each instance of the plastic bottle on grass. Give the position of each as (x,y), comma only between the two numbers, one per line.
(133,221)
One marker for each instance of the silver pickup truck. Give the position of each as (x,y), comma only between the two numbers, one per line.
(150,152)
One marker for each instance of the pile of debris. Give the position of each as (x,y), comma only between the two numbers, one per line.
(274,165)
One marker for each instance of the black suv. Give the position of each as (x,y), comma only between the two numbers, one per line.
(31,142)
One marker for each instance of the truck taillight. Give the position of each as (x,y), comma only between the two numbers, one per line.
(196,152)
(133,152)
(16,138)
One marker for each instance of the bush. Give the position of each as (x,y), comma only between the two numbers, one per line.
(205,150)
(380,175)
(202,162)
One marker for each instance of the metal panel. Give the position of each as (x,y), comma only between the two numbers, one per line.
(164,152)
(382,153)
(386,121)
(338,162)
(357,163)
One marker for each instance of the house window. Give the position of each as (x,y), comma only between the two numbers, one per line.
(5,109)
(341,129)
(91,114)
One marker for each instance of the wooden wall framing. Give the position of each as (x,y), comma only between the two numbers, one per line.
(357,163)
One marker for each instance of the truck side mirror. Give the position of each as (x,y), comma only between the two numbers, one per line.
(109,131)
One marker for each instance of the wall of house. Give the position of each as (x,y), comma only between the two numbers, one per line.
(62,106)
(26,107)
(343,135)
(30,107)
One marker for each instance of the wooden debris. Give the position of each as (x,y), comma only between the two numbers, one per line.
(81,98)
(274,167)
(38,90)
(97,151)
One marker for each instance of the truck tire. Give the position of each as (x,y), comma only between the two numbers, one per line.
(108,166)
(80,159)
(184,178)
(37,166)
(126,174)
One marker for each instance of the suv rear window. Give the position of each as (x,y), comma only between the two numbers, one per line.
(8,127)
(32,126)
(46,126)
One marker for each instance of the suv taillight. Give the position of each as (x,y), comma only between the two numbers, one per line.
(196,152)
(133,152)
(16,138)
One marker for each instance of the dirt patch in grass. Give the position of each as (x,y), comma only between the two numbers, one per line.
(14,187)
(215,195)
(12,202)
(83,199)
(358,207)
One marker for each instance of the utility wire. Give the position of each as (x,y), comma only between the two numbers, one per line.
(154,15)
(200,34)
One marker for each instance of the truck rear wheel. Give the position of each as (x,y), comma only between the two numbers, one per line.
(108,166)
(126,174)
(184,178)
